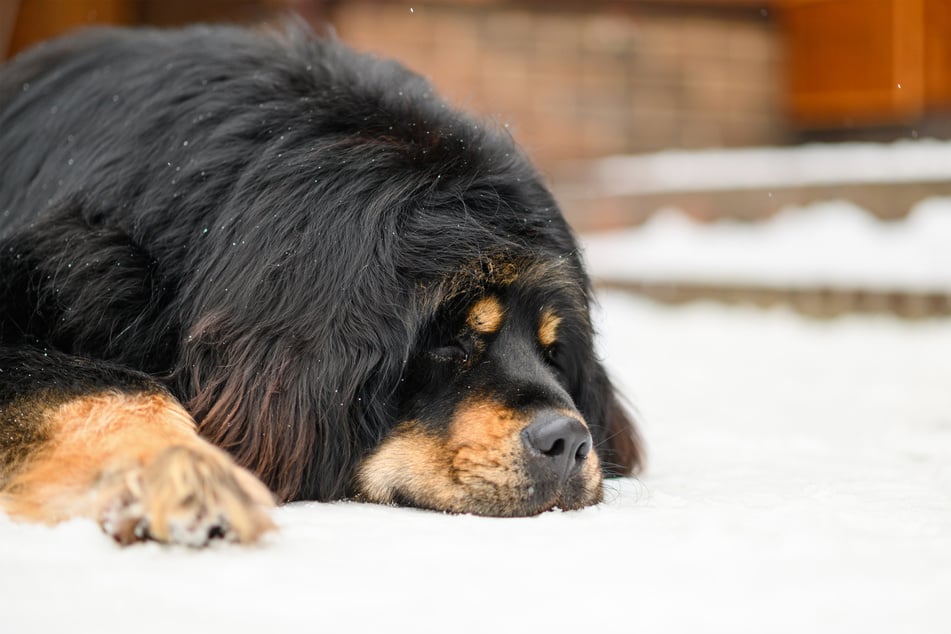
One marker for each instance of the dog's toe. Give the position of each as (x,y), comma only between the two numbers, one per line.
(188,497)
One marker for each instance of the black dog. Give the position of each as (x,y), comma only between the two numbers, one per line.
(271,244)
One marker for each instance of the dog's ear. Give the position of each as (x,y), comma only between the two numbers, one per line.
(251,405)
(298,422)
(617,441)
(622,451)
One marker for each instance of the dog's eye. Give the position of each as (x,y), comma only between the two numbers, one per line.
(556,359)
(552,356)
(453,353)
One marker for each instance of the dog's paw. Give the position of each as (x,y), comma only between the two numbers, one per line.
(189,497)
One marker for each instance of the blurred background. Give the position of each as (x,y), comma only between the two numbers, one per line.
(770,151)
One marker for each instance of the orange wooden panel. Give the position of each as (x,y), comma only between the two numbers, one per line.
(38,20)
(8,13)
(854,61)
(937,53)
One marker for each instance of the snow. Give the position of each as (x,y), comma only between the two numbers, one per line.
(922,161)
(825,245)
(799,481)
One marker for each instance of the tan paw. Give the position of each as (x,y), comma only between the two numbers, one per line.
(189,497)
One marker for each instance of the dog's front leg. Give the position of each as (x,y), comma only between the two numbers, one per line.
(126,455)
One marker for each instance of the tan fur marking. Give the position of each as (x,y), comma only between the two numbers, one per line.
(408,459)
(485,425)
(486,315)
(446,474)
(127,459)
(478,468)
(548,328)
(486,443)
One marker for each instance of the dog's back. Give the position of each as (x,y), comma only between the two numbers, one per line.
(73,111)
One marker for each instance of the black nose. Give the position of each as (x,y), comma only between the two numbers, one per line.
(560,442)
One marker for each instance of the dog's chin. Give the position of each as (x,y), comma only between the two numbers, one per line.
(485,499)
(532,501)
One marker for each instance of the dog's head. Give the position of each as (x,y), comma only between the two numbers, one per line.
(503,408)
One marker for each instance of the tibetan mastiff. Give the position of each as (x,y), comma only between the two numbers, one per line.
(243,266)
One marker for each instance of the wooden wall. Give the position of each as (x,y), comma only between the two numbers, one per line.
(867,62)
(833,65)
(37,20)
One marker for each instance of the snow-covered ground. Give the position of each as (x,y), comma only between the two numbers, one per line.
(825,245)
(799,481)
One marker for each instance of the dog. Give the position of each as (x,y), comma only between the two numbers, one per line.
(241,267)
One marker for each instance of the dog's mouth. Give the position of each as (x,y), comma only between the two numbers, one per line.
(490,463)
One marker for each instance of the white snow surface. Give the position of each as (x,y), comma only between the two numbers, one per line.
(817,164)
(799,481)
(834,245)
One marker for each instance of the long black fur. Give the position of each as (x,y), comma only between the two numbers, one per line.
(260,222)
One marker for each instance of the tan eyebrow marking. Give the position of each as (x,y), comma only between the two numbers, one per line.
(548,328)
(485,316)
